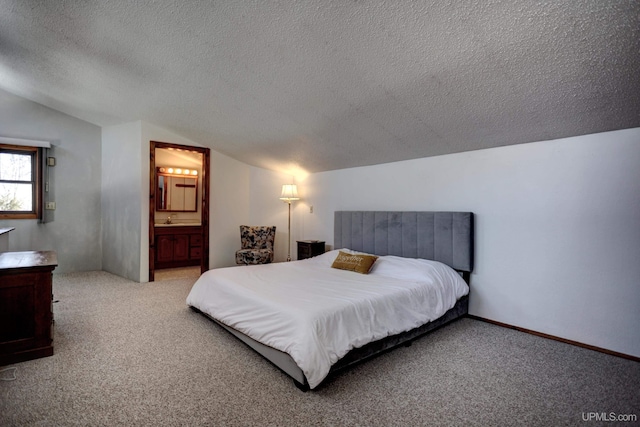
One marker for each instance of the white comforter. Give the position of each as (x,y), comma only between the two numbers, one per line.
(316,313)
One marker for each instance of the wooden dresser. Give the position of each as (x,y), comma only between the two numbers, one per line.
(26,312)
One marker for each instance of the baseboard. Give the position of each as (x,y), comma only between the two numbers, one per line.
(552,337)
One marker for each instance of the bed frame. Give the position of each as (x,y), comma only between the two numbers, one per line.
(441,236)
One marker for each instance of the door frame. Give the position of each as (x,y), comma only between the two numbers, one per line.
(204,211)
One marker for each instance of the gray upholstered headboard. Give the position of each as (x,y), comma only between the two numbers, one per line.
(441,236)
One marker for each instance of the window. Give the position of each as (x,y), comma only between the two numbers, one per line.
(20,193)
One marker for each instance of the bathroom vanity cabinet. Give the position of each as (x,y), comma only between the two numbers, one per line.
(177,246)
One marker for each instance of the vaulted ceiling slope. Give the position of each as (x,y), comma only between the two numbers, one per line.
(331,84)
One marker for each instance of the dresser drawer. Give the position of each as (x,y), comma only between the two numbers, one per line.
(195,253)
(196,240)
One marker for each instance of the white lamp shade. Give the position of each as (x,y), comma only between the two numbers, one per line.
(289,192)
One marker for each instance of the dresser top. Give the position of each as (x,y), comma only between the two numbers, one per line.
(28,259)
(4,230)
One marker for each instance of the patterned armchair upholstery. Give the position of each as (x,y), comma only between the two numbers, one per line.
(257,244)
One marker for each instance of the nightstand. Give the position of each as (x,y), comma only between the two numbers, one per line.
(309,248)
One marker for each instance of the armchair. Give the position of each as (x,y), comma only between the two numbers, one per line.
(257,244)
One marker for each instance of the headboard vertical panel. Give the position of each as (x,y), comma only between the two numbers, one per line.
(443,229)
(346,235)
(427,242)
(381,236)
(356,227)
(410,233)
(368,239)
(442,236)
(394,235)
(463,240)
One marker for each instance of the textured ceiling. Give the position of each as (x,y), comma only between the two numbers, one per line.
(322,85)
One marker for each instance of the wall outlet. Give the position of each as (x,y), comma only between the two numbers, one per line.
(50,206)
(311,209)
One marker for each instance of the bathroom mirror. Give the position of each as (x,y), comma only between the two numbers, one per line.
(176,193)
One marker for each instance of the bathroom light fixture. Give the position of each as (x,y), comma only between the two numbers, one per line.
(289,194)
(178,171)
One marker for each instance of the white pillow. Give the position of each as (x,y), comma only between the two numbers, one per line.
(410,269)
(326,258)
(413,269)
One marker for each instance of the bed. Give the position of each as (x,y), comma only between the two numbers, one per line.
(312,320)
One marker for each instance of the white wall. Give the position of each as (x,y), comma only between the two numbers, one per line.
(229,199)
(150,132)
(126,215)
(240,194)
(266,208)
(230,193)
(74,230)
(557,228)
(122,191)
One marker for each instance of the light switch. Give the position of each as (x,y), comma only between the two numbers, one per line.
(50,206)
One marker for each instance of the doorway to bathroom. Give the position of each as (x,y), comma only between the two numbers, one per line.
(178,210)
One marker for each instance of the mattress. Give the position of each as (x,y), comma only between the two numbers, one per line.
(317,314)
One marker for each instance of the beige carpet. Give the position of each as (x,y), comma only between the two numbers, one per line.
(130,354)
(177,273)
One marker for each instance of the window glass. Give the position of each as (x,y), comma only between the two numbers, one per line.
(15,166)
(18,182)
(16,197)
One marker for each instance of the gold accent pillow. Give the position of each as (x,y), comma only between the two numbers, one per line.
(359,263)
